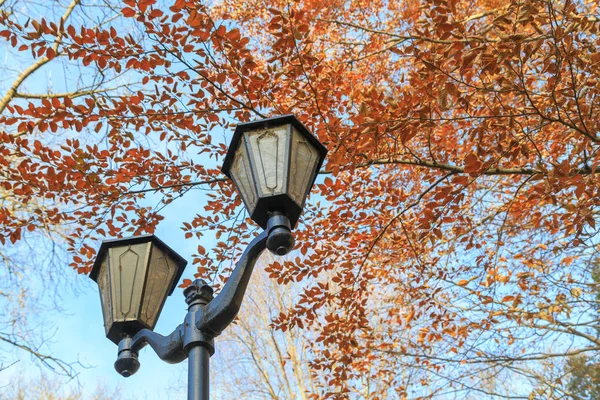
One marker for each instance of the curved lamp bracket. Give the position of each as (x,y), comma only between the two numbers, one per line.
(168,348)
(220,312)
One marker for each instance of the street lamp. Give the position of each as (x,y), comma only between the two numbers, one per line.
(273,163)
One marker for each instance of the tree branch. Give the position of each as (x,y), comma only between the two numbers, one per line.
(10,94)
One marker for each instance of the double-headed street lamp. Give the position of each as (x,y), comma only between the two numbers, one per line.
(274,164)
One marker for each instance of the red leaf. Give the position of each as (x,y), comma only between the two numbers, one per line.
(233,34)
(155,13)
(128,12)
(472,164)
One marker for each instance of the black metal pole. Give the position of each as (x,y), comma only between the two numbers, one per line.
(198,373)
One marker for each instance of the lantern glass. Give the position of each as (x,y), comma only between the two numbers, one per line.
(241,173)
(127,270)
(303,164)
(161,270)
(269,152)
(105,297)
(135,276)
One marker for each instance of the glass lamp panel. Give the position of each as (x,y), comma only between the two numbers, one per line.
(105,298)
(161,272)
(304,160)
(241,174)
(127,273)
(268,148)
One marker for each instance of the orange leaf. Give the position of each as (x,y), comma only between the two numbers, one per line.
(186,283)
(155,13)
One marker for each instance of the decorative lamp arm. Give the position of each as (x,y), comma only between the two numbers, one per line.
(168,348)
(221,311)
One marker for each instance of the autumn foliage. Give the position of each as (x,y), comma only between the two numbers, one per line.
(449,244)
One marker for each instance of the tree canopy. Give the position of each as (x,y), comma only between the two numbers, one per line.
(448,247)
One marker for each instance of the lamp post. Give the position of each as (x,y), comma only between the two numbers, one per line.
(273,163)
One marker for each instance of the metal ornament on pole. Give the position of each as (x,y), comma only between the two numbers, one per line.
(274,164)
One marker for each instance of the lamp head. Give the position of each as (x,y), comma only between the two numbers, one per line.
(274,163)
(135,275)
